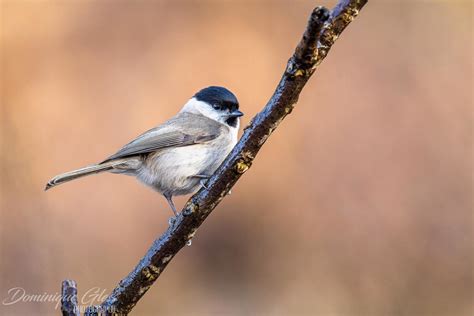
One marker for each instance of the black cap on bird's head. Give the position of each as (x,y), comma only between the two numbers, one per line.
(220,99)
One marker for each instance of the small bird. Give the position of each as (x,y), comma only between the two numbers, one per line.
(178,156)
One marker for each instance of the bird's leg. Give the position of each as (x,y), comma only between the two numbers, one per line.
(170,202)
(203,181)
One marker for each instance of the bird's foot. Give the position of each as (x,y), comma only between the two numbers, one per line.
(203,179)
(202,182)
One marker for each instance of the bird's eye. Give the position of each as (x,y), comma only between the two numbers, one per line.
(216,107)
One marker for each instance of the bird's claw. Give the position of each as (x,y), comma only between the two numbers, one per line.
(202,182)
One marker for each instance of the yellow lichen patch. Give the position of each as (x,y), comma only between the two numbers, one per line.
(350,15)
(241,166)
(329,37)
(190,208)
(299,73)
(155,269)
(150,276)
(334,37)
(191,235)
(354,12)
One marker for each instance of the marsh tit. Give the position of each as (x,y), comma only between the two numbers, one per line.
(178,156)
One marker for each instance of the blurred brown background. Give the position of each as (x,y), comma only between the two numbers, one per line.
(359,204)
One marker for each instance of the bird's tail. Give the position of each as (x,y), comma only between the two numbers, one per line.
(79,173)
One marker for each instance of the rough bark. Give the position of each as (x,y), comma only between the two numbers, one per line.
(323,29)
(69,305)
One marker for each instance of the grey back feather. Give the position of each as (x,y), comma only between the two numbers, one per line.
(184,129)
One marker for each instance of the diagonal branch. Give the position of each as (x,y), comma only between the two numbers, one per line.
(323,29)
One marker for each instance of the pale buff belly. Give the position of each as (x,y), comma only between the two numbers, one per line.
(171,171)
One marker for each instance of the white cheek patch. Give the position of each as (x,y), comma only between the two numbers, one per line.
(199,107)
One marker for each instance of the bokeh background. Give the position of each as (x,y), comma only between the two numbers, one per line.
(359,204)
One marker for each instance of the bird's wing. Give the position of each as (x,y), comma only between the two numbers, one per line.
(185,129)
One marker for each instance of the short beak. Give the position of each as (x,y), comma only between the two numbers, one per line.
(235,113)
